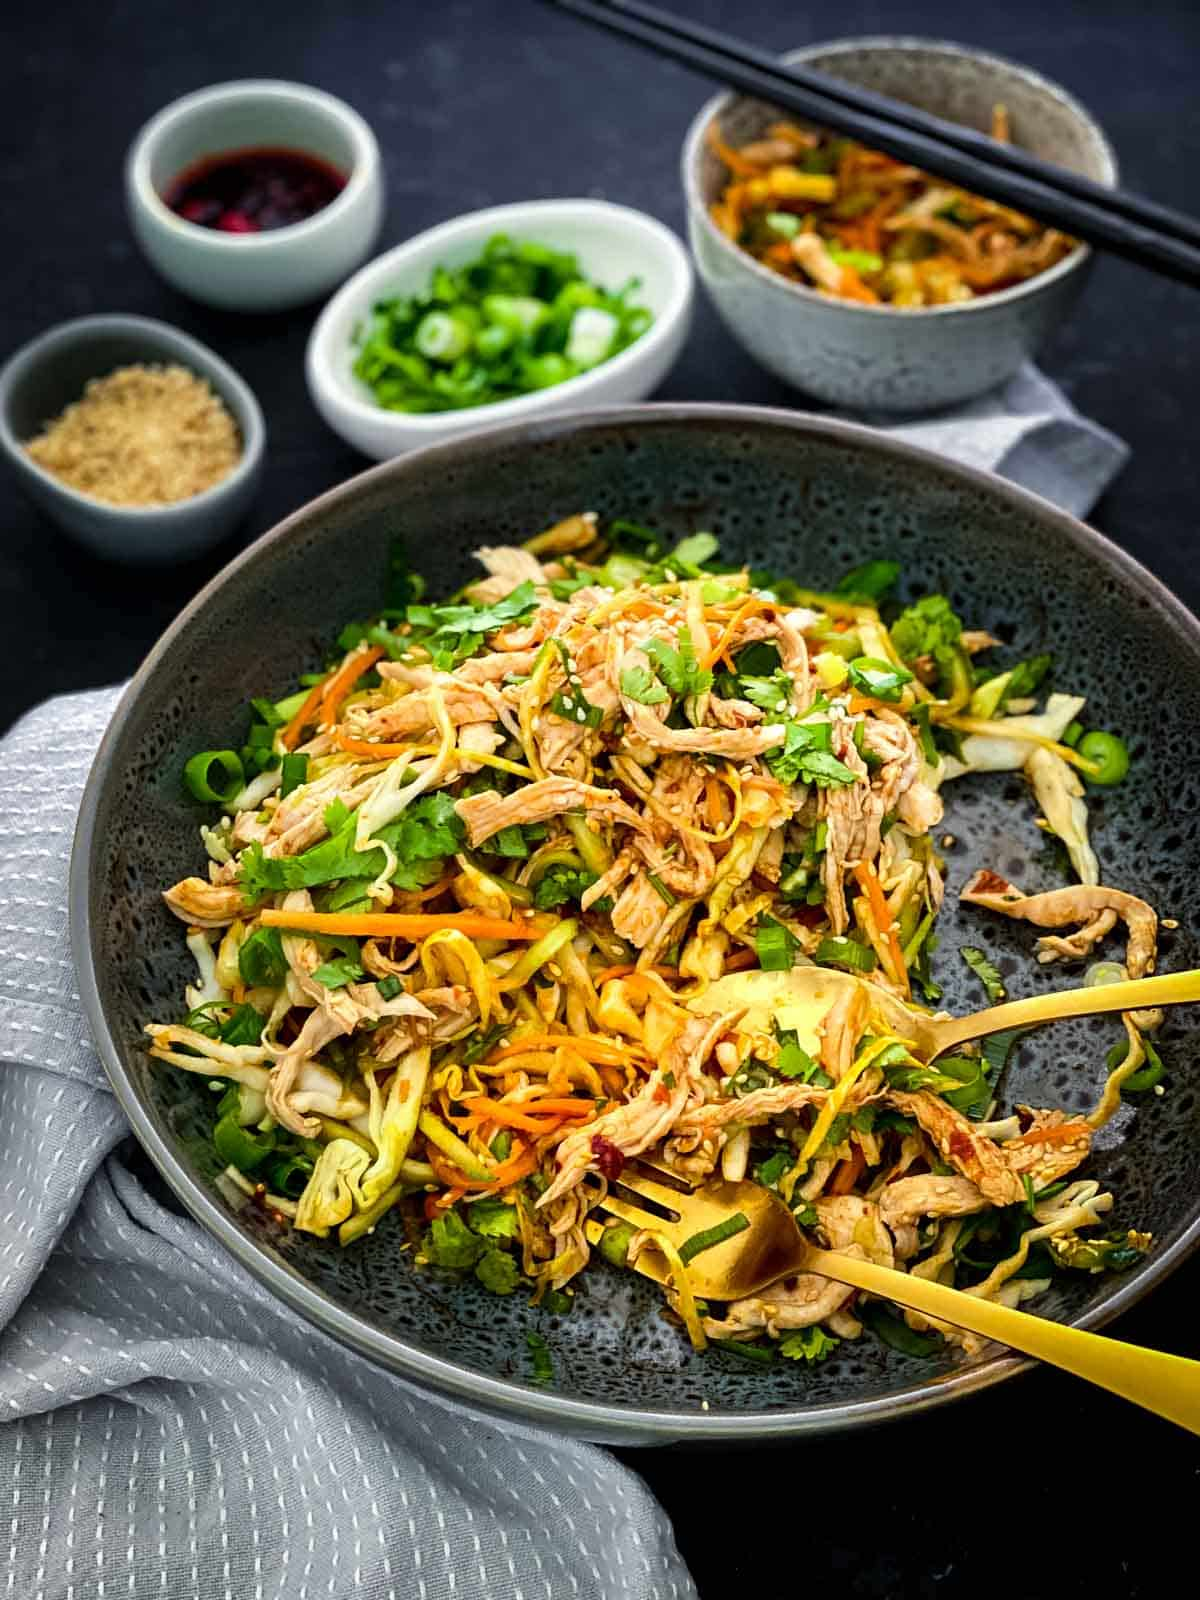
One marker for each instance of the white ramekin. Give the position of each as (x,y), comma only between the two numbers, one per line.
(255,271)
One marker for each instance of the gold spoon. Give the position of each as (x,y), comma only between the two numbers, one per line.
(800,998)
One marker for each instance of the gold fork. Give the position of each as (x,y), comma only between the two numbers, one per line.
(768,1247)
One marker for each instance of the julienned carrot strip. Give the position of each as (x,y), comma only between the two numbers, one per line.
(739,616)
(712,802)
(591,1048)
(520,1116)
(404,925)
(290,737)
(381,752)
(1063,1133)
(340,683)
(864,702)
(847,1173)
(322,696)
(868,880)
(624,968)
(518,1165)
(740,960)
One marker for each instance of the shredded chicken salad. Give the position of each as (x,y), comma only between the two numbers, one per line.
(532,883)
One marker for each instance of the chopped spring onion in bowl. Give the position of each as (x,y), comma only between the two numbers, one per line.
(505,314)
(517,318)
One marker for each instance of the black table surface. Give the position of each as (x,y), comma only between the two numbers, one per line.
(1039,1488)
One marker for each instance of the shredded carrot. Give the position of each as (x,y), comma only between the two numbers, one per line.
(343,680)
(404,925)
(591,1048)
(290,737)
(868,880)
(1064,1133)
(743,611)
(624,968)
(864,702)
(517,1116)
(380,752)
(847,1173)
(712,802)
(740,960)
(519,1165)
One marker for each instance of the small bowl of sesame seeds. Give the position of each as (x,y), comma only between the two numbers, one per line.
(137,440)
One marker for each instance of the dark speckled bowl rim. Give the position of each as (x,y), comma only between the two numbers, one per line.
(587,1418)
(693,146)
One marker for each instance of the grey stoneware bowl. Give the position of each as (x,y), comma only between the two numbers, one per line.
(882,357)
(51,371)
(798,494)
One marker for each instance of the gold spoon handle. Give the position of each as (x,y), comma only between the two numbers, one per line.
(1166,1384)
(1135,994)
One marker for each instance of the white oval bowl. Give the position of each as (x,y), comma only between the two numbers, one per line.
(283,267)
(613,244)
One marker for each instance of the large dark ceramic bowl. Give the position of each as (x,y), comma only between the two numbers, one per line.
(791,492)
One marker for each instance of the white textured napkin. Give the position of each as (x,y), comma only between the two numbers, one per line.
(173,1432)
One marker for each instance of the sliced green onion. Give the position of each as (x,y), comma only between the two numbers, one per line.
(237,1146)
(389,987)
(363,1221)
(1102,972)
(708,1237)
(441,337)
(215,776)
(290,1176)
(463,1157)
(774,945)
(660,889)
(760,1354)
(835,951)
(1108,755)
(1145,1077)
(293,772)
(785,223)
(614,1243)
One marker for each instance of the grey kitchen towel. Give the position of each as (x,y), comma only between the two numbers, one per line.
(1026,430)
(172,1432)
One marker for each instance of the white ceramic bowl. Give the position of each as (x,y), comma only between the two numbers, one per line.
(51,371)
(883,357)
(613,244)
(255,271)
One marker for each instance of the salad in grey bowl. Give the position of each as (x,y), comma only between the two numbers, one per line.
(798,495)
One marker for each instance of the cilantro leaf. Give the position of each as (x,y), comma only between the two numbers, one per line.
(497,1271)
(771,1171)
(638,683)
(805,757)
(808,1344)
(338,973)
(492,1218)
(571,703)
(926,628)
(563,883)
(451,633)
(429,830)
(983,969)
(450,1243)
(773,694)
(794,1061)
(260,959)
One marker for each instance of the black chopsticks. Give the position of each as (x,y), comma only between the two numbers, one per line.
(1129,225)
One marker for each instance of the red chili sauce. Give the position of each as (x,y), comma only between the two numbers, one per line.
(254,191)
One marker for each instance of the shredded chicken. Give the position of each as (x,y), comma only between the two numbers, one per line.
(1092,905)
